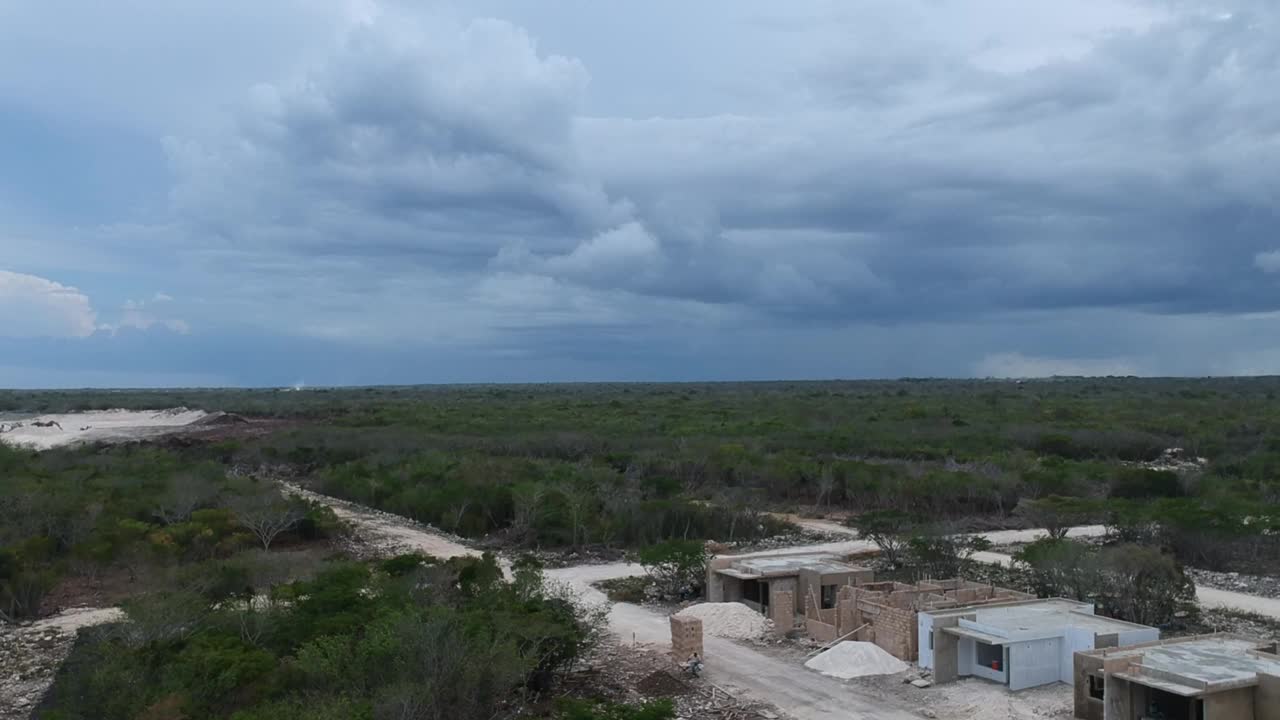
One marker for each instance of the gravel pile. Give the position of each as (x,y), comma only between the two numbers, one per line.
(856,659)
(728,620)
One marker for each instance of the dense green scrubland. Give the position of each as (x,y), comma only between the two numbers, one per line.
(169,527)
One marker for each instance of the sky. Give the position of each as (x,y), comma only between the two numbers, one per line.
(338,192)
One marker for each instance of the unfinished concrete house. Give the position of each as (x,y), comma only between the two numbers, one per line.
(1019,644)
(885,612)
(779,585)
(829,599)
(1208,677)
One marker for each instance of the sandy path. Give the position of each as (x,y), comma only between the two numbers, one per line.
(802,693)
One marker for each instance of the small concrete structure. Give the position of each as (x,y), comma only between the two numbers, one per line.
(1019,644)
(1207,677)
(686,637)
(778,584)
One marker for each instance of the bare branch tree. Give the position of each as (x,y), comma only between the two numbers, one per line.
(266,516)
(186,494)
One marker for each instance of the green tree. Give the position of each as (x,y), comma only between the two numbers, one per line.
(890,530)
(678,567)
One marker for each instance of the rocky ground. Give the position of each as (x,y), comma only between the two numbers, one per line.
(31,653)
(1261,585)
(1225,620)
(620,673)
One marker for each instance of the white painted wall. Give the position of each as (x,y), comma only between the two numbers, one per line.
(987,673)
(965,651)
(1034,662)
(1073,641)
(1139,635)
(924,626)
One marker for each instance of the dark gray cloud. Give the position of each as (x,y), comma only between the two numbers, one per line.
(991,177)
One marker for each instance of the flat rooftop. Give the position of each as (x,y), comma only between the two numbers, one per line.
(788,565)
(1200,665)
(1024,620)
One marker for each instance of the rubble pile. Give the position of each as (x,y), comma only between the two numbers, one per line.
(623,674)
(31,653)
(29,658)
(1173,460)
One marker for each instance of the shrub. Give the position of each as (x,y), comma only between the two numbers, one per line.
(678,567)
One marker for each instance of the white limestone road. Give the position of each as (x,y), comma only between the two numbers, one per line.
(1256,604)
(851,546)
(739,669)
(389,534)
(1207,596)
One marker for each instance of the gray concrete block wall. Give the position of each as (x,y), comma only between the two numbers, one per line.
(1267,700)
(1230,705)
(782,611)
(686,637)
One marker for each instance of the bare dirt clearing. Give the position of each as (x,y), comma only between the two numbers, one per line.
(43,432)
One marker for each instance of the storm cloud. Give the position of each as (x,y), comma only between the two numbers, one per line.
(658,192)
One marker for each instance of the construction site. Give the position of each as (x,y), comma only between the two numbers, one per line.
(937,632)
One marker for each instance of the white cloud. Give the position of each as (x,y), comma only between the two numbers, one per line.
(1267,262)
(1017,365)
(144,315)
(32,306)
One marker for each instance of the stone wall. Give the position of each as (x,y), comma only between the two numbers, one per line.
(686,637)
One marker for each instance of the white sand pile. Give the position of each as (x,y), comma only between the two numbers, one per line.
(49,431)
(728,620)
(856,659)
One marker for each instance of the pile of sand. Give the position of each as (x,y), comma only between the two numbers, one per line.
(856,659)
(728,620)
(48,431)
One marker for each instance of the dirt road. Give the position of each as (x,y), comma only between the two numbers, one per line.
(802,693)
